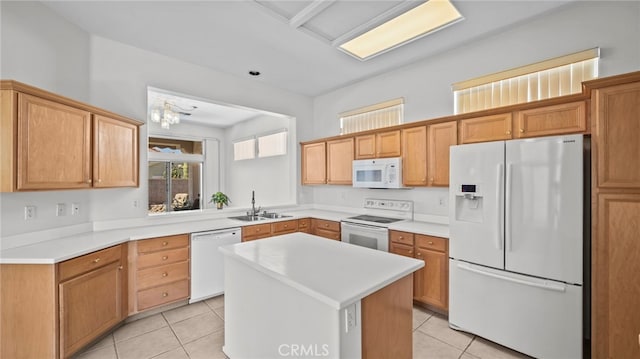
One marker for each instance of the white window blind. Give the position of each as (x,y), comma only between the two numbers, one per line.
(272,145)
(547,79)
(385,114)
(244,149)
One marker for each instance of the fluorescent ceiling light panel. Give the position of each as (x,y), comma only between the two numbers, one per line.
(411,25)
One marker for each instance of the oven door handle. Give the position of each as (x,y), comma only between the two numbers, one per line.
(366,227)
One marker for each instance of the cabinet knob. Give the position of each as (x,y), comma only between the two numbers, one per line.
(431,179)
(286,225)
(164,258)
(96,260)
(257,229)
(326,225)
(89,180)
(99,180)
(419,254)
(121,268)
(508,132)
(401,237)
(165,294)
(164,274)
(522,130)
(165,243)
(431,243)
(410,251)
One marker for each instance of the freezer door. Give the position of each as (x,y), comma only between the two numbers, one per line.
(544,207)
(538,317)
(476,201)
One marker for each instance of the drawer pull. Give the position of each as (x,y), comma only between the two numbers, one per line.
(401,237)
(164,258)
(164,274)
(419,254)
(508,132)
(96,260)
(257,229)
(165,294)
(430,242)
(99,180)
(410,252)
(164,244)
(89,180)
(326,225)
(121,267)
(521,130)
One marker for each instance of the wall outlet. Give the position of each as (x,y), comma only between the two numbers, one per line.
(349,318)
(75,209)
(29,213)
(61,209)
(136,203)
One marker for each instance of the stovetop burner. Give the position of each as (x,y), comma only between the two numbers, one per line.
(375,219)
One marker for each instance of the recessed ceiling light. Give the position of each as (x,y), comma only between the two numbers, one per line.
(254,73)
(411,25)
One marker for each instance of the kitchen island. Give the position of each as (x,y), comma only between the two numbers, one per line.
(299,295)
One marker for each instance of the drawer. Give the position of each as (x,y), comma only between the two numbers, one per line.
(164,294)
(161,243)
(327,225)
(401,237)
(155,276)
(401,249)
(304,224)
(256,231)
(327,234)
(162,257)
(284,227)
(433,243)
(88,262)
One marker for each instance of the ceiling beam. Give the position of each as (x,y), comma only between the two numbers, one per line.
(309,12)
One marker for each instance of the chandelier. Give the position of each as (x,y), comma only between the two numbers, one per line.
(169,114)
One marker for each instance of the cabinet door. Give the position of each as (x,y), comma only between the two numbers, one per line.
(365,147)
(441,136)
(431,282)
(340,161)
(314,168)
(388,144)
(617,125)
(486,128)
(54,145)
(90,304)
(414,156)
(115,153)
(616,285)
(551,120)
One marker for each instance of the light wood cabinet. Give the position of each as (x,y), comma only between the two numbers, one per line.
(551,120)
(615,327)
(304,225)
(485,128)
(340,161)
(51,142)
(440,137)
(431,283)
(256,231)
(326,229)
(159,272)
(414,156)
(314,166)
(378,145)
(284,227)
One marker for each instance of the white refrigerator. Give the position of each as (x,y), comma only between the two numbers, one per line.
(516,244)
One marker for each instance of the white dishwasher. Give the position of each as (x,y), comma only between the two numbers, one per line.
(207,262)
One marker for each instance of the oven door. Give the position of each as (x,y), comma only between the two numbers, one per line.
(366,236)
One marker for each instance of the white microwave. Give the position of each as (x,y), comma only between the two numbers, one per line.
(378,173)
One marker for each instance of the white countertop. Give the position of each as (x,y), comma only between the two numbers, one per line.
(333,272)
(57,249)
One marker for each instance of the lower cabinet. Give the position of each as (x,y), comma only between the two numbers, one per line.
(431,283)
(324,228)
(264,230)
(159,272)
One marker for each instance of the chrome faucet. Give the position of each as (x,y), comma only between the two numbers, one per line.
(254,211)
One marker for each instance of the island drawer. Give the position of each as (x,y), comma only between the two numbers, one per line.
(284,227)
(154,276)
(429,242)
(163,294)
(88,262)
(162,257)
(401,237)
(162,243)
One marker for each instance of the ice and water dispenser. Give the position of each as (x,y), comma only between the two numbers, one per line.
(468,206)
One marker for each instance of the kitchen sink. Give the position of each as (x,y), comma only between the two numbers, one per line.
(248,218)
(274,215)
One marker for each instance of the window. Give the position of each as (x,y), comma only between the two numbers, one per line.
(547,79)
(175,174)
(244,149)
(268,145)
(385,114)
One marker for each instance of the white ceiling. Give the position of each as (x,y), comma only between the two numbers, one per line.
(289,42)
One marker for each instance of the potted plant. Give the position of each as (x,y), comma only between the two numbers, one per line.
(220,199)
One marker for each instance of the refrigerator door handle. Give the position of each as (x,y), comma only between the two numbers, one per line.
(558,287)
(500,204)
(507,227)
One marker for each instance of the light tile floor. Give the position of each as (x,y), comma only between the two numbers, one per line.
(197,331)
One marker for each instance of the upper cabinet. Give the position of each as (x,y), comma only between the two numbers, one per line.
(340,161)
(414,156)
(378,145)
(314,166)
(485,128)
(551,120)
(440,137)
(49,142)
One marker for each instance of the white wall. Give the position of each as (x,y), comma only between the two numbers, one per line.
(426,85)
